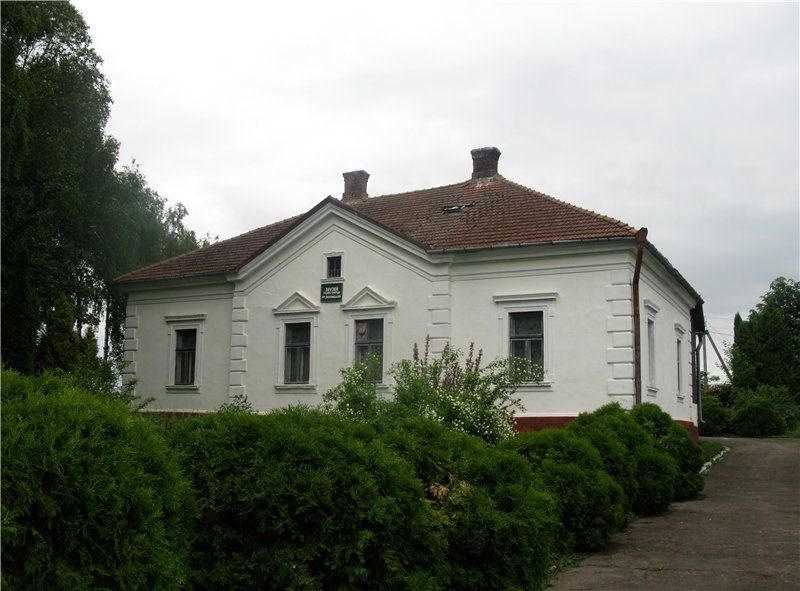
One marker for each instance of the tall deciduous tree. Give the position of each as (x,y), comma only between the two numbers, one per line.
(766,346)
(71,220)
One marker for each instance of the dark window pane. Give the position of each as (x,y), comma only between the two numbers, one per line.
(185,354)
(297,356)
(335,266)
(518,349)
(537,354)
(298,334)
(186,339)
(526,324)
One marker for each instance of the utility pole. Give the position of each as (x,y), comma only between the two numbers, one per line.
(721,360)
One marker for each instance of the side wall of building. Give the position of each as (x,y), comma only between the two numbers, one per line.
(583,292)
(585,295)
(666,332)
(152,319)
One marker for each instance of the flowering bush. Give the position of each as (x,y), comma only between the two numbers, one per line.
(469,398)
(463,397)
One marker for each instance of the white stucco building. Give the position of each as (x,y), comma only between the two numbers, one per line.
(275,313)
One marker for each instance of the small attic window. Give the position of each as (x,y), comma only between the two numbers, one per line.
(457,208)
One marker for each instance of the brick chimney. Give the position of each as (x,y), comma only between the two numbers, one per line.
(484,162)
(355,186)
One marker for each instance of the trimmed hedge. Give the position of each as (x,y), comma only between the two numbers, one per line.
(758,417)
(92,497)
(302,500)
(646,474)
(676,441)
(499,523)
(716,418)
(591,505)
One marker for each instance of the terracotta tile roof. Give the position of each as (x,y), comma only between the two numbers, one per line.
(496,212)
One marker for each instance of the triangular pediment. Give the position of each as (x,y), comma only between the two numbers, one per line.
(296,303)
(368,299)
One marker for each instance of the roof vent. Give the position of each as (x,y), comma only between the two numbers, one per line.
(457,208)
(484,162)
(355,186)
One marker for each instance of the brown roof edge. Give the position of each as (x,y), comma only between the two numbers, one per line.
(121,280)
(525,244)
(673,271)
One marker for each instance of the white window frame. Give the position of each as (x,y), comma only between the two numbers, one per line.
(385,314)
(284,318)
(185,322)
(325,257)
(651,311)
(680,348)
(532,302)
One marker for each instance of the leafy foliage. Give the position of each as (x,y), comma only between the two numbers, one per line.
(590,503)
(302,500)
(758,417)
(676,441)
(466,397)
(766,346)
(784,402)
(70,221)
(716,417)
(646,474)
(499,523)
(92,497)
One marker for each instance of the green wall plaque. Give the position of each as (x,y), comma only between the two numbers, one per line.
(331,292)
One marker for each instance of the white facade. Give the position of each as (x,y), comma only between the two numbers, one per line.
(582,289)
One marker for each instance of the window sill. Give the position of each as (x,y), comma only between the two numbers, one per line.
(681,397)
(546,386)
(332,280)
(652,390)
(183,388)
(296,387)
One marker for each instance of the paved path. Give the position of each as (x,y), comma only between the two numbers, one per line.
(742,533)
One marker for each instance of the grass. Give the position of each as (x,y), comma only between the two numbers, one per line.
(710,449)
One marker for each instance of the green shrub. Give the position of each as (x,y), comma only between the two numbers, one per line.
(302,500)
(781,398)
(92,497)
(464,397)
(500,525)
(673,439)
(716,418)
(590,503)
(758,417)
(617,460)
(644,472)
(656,473)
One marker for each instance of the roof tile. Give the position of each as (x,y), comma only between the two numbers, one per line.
(502,213)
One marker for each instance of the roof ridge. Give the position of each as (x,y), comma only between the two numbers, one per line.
(606,218)
(414,191)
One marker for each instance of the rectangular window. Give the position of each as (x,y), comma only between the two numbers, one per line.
(185,356)
(527,336)
(334,267)
(298,353)
(369,345)
(651,352)
(680,365)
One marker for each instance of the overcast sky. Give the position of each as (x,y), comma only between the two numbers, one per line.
(679,117)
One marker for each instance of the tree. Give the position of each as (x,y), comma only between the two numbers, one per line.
(766,346)
(71,221)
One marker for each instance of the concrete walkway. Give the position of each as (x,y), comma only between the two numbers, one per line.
(742,533)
